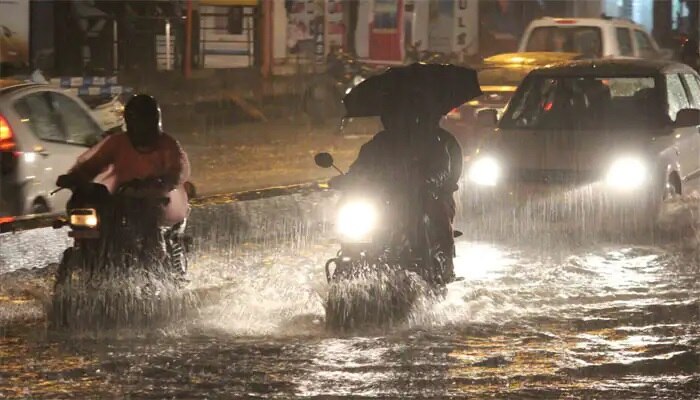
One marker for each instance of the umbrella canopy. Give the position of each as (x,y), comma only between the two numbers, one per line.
(439,87)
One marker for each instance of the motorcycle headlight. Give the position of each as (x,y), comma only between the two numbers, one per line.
(84,218)
(356,220)
(626,173)
(485,171)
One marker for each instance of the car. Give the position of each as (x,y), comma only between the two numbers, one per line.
(499,77)
(108,112)
(108,109)
(628,126)
(43,130)
(592,37)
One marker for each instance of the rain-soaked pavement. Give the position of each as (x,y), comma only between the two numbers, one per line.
(586,320)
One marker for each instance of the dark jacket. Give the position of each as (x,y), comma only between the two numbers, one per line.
(456,160)
(388,160)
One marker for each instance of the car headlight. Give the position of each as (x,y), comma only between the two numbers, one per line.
(84,218)
(485,171)
(356,220)
(626,173)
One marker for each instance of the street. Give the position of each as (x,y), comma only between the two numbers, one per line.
(251,156)
(566,130)
(575,321)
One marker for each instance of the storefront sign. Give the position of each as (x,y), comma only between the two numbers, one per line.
(453,26)
(466,27)
(441,25)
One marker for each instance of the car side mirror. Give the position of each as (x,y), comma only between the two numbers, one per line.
(687,117)
(323,160)
(487,118)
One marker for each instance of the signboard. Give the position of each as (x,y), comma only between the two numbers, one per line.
(465,37)
(453,26)
(300,16)
(440,24)
(14,33)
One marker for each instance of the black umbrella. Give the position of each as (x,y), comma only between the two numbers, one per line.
(441,87)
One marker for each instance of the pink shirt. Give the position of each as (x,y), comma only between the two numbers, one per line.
(114,161)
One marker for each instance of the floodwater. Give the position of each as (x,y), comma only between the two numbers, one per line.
(590,321)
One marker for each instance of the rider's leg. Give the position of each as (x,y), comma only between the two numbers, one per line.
(441,213)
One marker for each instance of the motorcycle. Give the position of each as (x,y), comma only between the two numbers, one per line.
(386,260)
(415,54)
(116,239)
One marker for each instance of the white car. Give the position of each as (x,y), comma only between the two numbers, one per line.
(628,125)
(591,37)
(109,114)
(42,132)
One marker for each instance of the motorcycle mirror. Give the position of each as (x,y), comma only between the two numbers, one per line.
(323,160)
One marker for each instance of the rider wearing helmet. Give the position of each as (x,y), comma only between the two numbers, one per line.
(143,152)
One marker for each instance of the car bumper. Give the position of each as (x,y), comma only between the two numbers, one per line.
(519,194)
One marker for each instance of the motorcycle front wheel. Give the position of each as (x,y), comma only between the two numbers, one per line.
(62,302)
(371,297)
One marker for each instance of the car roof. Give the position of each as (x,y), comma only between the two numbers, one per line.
(611,68)
(531,58)
(550,21)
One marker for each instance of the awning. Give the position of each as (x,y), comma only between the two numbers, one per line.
(249,3)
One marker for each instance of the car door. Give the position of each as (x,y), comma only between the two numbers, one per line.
(64,129)
(686,138)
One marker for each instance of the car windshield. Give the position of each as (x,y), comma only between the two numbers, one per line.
(586,40)
(502,76)
(580,103)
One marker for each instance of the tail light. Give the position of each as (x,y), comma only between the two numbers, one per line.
(7,137)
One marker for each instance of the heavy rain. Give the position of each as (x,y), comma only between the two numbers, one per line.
(302,270)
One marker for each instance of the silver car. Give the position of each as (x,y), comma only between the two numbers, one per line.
(630,125)
(42,132)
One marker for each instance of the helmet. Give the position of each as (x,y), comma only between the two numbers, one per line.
(143,124)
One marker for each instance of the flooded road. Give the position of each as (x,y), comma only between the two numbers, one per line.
(590,321)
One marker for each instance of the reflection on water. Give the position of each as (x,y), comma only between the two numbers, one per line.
(593,322)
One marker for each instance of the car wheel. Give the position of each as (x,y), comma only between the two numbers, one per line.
(661,206)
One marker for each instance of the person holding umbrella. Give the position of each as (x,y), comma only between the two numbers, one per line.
(413,156)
